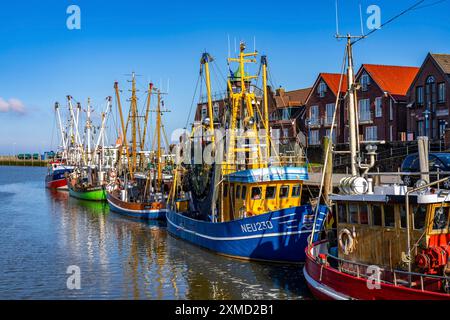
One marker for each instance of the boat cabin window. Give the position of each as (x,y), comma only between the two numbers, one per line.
(353,213)
(296,190)
(377,219)
(440,218)
(284,191)
(389,216)
(271,192)
(342,213)
(238,191)
(256,193)
(402,217)
(244,192)
(225,190)
(363,214)
(420,212)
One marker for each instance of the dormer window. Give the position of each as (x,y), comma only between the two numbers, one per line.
(365,81)
(322,89)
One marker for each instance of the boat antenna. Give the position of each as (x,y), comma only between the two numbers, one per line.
(361,20)
(228,37)
(337,18)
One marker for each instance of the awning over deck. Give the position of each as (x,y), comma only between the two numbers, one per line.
(268,174)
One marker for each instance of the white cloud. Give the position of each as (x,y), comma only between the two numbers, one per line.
(12,105)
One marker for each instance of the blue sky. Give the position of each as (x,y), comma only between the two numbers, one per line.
(41,61)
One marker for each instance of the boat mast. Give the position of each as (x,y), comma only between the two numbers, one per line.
(124,130)
(88,128)
(61,130)
(133,121)
(147,110)
(158,137)
(78,143)
(238,99)
(206,58)
(353,142)
(101,136)
(266,106)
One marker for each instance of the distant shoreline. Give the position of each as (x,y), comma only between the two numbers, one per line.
(23,163)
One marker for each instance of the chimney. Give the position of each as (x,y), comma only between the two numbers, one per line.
(280,91)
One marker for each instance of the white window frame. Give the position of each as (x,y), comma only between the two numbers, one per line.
(364,110)
(204,112)
(216,109)
(322,89)
(329,112)
(391,110)
(441,92)
(419,93)
(378,107)
(364,81)
(333,139)
(314,115)
(371,133)
(314,137)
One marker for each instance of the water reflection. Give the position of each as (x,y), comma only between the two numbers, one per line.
(127,259)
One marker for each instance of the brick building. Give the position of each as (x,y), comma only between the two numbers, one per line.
(428,102)
(320,105)
(382,100)
(288,115)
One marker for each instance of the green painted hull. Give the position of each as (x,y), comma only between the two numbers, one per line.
(97,194)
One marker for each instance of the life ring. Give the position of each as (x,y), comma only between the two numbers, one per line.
(348,245)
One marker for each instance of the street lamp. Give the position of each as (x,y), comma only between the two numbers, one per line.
(426,115)
(308,123)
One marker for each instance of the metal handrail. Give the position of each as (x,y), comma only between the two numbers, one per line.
(358,264)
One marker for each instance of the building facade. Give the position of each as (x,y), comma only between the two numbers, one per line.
(381,101)
(288,115)
(320,105)
(428,101)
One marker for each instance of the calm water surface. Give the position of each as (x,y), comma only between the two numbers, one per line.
(42,233)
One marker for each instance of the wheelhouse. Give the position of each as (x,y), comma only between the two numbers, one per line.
(257,191)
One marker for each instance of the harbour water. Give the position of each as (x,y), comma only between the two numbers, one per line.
(42,233)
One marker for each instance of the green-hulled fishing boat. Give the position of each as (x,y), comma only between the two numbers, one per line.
(97,193)
(89,178)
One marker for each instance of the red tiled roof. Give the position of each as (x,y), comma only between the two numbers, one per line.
(332,80)
(294,98)
(394,79)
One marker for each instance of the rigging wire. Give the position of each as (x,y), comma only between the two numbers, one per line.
(192,102)
(414,6)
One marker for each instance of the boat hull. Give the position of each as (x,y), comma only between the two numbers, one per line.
(327,283)
(92,194)
(56,184)
(278,236)
(143,211)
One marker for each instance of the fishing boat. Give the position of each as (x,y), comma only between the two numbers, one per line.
(89,178)
(56,177)
(139,190)
(58,170)
(391,241)
(242,206)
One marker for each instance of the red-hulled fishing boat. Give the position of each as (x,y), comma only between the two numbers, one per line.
(391,242)
(56,177)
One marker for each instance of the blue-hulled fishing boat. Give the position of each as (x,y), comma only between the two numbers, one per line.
(244,205)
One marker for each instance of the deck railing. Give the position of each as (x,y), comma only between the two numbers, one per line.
(394,277)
